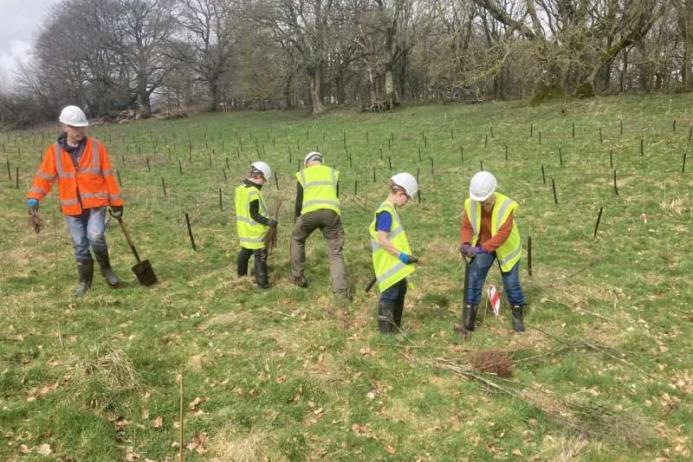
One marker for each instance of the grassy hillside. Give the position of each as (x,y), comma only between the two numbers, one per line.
(603,372)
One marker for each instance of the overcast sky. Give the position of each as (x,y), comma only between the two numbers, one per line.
(19,23)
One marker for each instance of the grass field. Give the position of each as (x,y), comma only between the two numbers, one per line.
(603,372)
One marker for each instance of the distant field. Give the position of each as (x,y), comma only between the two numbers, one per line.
(603,372)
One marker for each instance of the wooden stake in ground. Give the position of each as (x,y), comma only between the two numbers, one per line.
(683,163)
(120,181)
(529,255)
(543,174)
(615,185)
(16,177)
(611,158)
(181,399)
(596,226)
(190,234)
(221,201)
(553,187)
(163,186)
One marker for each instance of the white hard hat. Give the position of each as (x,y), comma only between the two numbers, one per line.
(483,184)
(73,116)
(313,155)
(262,167)
(407,182)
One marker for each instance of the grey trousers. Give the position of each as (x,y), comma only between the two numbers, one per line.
(330,225)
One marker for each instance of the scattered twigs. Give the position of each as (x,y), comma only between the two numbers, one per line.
(35,221)
(271,236)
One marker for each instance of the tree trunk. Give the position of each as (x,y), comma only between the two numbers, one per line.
(390,93)
(315,75)
(213,95)
(143,98)
(371,84)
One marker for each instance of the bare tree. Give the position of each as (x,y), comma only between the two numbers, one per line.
(209,34)
(142,38)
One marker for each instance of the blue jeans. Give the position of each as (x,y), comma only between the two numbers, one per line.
(87,230)
(478,270)
(395,293)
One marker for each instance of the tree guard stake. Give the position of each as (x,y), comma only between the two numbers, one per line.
(683,163)
(190,234)
(543,174)
(611,158)
(120,181)
(553,187)
(221,203)
(163,186)
(596,226)
(615,186)
(529,255)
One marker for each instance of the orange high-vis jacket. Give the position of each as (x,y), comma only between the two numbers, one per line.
(90,185)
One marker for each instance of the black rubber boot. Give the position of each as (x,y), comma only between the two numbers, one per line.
(106,270)
(397,315)
(85,270)
(261,276)
(386,321)
(518,325)
(469,316)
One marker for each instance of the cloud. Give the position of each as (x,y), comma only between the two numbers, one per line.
(19,52)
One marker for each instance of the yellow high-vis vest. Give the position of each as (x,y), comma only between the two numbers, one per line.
(389,270)
(319,188)
(250,233)
(509,251)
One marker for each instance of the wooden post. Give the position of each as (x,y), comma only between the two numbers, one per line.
(506,152)
(596,226)
(163,186)
(461,154)
(642,147)
(683,163)
(611,158)
(615,185)
(389,162)
(16,177)
(553,187)
(373,174)
(120,181)
(181,404)
(601,138)
(221,201)
(621,127)
(529,255)
(481,164)
(432,169)
(190,234)
(180,167)
(276,180)
(149,167)
(226,180)
(543,174)
(531,130)
(9,170)
(573,129)
(560,156)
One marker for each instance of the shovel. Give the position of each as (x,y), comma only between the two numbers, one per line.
(143,269)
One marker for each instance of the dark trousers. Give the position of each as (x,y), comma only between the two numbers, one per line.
(329,223)
(260,257)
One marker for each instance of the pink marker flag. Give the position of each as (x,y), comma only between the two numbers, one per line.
(494,298)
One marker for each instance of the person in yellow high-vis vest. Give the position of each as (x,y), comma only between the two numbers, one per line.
(392,256)
(489,232)
(253,222)
(317,207)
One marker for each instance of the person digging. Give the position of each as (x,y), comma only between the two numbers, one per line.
(489,232)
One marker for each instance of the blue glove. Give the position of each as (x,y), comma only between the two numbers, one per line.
(32,204)
(464,249)
(407,259)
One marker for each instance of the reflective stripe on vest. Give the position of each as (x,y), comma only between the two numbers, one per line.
(319,188)
(251,234)
(509,252)
(389,270)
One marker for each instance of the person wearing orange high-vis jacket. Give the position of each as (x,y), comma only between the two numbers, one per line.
(86,187)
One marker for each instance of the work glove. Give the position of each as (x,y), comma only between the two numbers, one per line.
(117,211)
(407,259)
(273,223)
(464,249)
(32,205)
(474,251)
